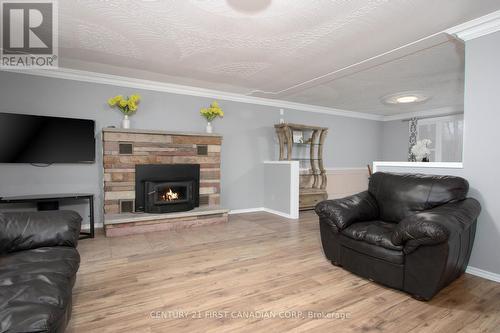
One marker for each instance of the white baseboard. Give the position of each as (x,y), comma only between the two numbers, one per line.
(246,210)
(482,273)
(275,212)
(261,209)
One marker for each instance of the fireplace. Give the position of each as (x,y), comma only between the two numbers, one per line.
(164,188)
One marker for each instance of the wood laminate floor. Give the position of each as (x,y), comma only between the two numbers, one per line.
(258,273)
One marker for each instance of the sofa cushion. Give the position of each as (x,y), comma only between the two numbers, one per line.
(28,230)
(35,289)
(401,195)
(370,250)
(374,232)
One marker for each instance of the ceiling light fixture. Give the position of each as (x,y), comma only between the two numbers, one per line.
(406,97)
(249,6)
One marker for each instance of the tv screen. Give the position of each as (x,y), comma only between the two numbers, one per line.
(40,139)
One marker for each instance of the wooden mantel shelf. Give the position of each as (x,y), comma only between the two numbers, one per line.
(158,132)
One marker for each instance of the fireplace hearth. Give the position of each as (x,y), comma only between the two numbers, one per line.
(165,188)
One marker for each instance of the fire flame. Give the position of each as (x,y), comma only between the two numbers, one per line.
(170,195)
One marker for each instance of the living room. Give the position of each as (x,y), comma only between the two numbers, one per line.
(226,168)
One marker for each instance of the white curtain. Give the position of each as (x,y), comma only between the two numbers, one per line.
(446,134)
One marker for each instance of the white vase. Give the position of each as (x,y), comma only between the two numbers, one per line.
(209,127)
(126,122)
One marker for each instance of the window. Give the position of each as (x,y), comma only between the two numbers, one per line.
(446,134)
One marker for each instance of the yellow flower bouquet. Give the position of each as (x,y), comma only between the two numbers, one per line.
(212,112)
(126,105)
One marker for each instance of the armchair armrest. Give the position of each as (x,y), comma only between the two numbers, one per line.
(436,225)
(28,230)
(341,213)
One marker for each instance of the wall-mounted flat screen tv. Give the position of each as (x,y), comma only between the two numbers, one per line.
(46,140)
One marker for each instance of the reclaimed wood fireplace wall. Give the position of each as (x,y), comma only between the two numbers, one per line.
(124,149)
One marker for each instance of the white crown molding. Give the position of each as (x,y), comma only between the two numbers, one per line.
(425,113)
(93,77)
(481,26)
(122,81)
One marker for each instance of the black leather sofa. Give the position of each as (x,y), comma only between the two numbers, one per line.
(38,265)
(411,232)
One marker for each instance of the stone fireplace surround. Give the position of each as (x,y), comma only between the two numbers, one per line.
(124,149)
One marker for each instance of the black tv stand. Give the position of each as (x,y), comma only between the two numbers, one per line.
(51,198)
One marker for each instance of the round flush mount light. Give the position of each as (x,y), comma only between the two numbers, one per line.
(406,97)
(249,6)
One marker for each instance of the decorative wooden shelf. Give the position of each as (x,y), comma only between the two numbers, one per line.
(316,192)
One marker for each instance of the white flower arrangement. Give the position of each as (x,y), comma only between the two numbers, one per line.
(421,149)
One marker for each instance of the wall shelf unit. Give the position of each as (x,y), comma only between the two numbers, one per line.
(304,143)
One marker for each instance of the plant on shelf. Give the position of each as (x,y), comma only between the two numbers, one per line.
(210,113)
(127,106)
(421,150)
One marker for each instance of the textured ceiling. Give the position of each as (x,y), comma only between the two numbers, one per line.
(437,72)
(267,48)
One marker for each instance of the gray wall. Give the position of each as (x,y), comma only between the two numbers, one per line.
(247,130)
(481,156)
(277,179)
(394,144)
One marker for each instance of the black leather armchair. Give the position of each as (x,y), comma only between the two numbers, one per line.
(410,232)
(38,265)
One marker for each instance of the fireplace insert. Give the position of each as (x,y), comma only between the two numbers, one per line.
(164,188)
